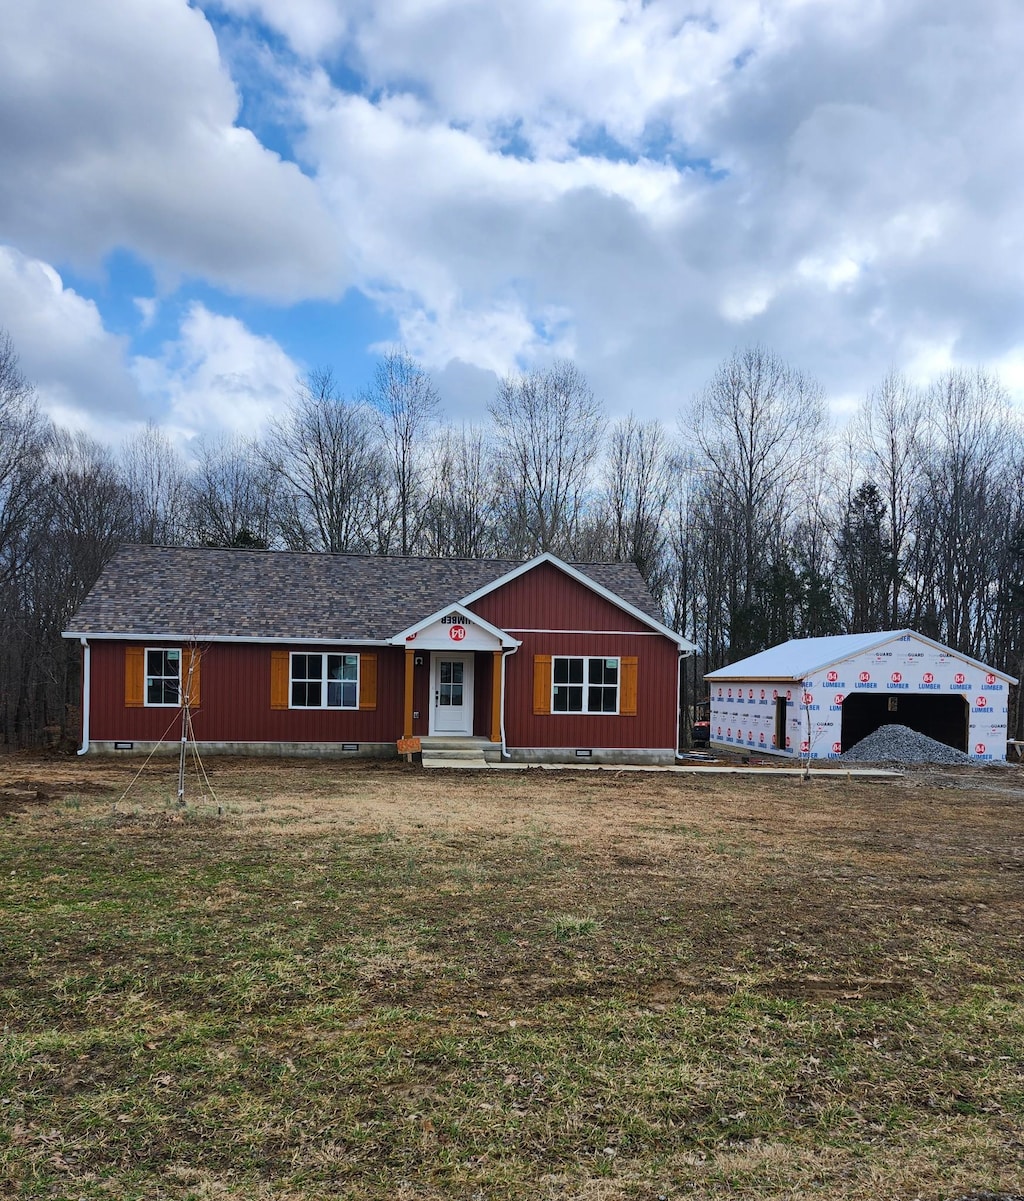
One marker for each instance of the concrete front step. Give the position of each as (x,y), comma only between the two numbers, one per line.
(440,751)
(473,764)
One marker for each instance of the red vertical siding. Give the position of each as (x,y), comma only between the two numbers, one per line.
(483,672)
(546,598)
(235,701)
(547,609)
(654,725)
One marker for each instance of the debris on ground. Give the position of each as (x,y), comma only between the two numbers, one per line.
(899,744)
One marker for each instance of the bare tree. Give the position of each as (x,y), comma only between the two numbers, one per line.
(635,494)
(233,494)
(886,445)
(961,504)
(25,510)
(406,404)
(325,454)
(25,438)
(156,477)
(460,510)
(759,428)
(548,427)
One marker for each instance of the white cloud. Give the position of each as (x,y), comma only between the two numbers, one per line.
(644,185)
(119,131)
(867,190)
(75,364)
(312,27)
(148,307)
(217,375)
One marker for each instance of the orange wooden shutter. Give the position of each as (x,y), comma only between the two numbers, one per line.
(627,686)
(134,676)
(367,681)
(280,679)
(541,684)
(190,661)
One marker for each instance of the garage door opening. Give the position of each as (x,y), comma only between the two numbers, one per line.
(944,718)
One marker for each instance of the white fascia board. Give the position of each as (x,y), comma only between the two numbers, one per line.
(109,637)
(896,635)
(884,639)
(404,636)
(612,597)
(966,658)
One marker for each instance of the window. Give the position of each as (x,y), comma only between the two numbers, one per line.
(324,681)
(584,685)
(450,685)
(163,677)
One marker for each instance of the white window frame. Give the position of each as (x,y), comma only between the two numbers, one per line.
(147,676)
(586,686)
(323,656)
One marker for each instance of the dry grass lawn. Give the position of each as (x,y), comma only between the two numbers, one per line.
(368,981)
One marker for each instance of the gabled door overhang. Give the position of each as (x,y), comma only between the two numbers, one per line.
(455,628)
(458,631)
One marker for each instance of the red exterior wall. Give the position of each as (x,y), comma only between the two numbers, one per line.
(548,601)
(483,672)
(235,700)
(545,608)
(421,695)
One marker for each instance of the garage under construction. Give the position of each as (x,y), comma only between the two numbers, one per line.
(815,698)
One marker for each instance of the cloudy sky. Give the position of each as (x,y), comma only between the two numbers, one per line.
(199,202)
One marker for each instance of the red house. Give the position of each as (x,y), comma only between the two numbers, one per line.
(285,653)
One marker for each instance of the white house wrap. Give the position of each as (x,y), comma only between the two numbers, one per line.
(818,697)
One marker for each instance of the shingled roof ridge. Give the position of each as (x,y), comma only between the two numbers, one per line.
(360,554)
(320,554)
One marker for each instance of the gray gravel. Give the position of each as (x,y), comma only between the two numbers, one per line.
(898,744)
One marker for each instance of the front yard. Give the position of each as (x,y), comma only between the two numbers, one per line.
(369,981)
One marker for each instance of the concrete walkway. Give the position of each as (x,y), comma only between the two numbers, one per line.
(816,773)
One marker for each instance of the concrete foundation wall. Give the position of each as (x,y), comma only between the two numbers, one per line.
(567,754)
(388,750)
(292,750)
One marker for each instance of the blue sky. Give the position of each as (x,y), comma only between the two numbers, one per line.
(201,202)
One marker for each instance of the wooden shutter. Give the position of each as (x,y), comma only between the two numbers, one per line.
(367,681)
(280,679)
(190,661)
(134,676)
(627,686)
(541,684)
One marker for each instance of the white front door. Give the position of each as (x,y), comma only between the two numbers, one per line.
(453,694)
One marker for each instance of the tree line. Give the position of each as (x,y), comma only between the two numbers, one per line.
(752,519)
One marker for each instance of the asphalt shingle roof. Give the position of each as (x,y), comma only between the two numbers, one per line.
(211,593)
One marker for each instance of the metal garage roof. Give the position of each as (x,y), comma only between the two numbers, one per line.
(802,657)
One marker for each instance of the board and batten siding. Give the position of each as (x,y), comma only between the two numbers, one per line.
(546,598)
(553,614)
(652,728)
(235,699)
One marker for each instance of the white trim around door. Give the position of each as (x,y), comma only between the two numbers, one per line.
(451,693)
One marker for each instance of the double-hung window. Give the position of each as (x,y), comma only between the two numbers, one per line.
(324,681)
(584,685)
(163,676)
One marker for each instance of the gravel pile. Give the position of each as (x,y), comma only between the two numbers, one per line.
(898,744)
